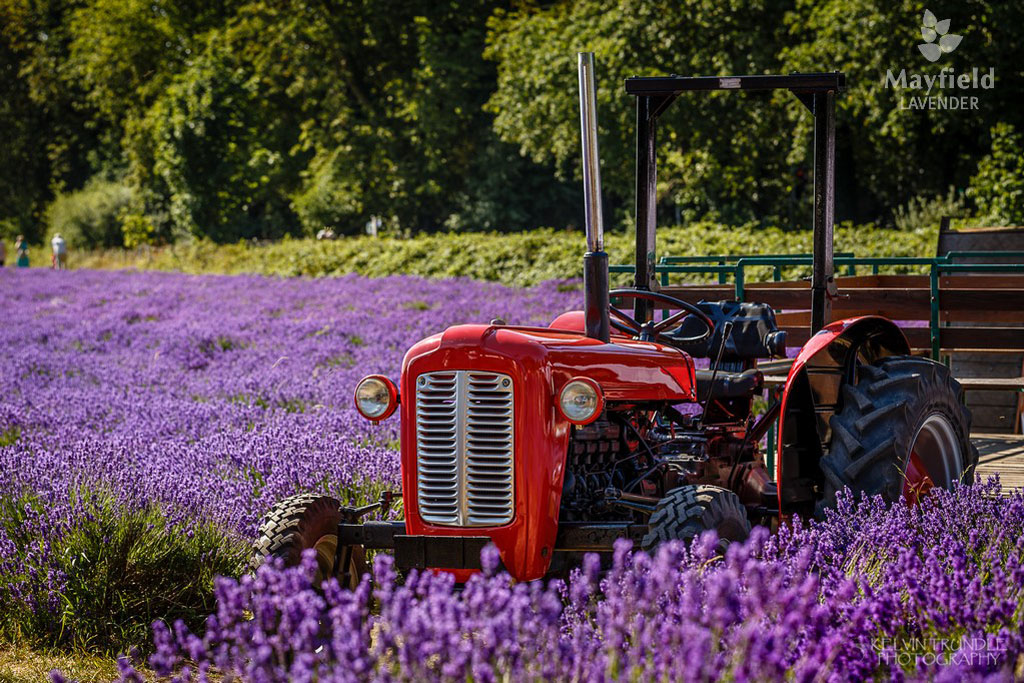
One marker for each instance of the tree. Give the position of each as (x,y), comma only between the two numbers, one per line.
(998,186)
(24,171)
(328,114)
(51,137)
(126,52)
(719,154)
(889,153)
(402,134)
(214,155)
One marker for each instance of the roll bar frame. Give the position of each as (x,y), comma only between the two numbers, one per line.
(817,91)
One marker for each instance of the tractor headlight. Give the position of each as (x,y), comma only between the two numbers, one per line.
(581,400)
(376,397)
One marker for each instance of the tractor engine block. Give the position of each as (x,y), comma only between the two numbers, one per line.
(630,452)
(596,452)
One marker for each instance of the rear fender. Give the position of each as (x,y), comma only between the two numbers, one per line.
(812,395)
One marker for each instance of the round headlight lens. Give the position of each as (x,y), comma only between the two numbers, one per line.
(581,401)
(376,397)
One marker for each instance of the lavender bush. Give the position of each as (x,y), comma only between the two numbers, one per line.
(932,593)
(149,419)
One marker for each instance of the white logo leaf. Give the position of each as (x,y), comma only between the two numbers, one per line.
(942,27)
(949,42)
(931,51)
(928,34)
(929,19)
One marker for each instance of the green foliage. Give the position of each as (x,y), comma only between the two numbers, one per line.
(10,436)
(221,159)
(31,159)
(741,157)
(124,568)
(255,138)
(138,229)
(717,158)
(524,258)
(125,52)
(328,199)
(923,213)
(91,217)
(998,186)
(256,119)
(890,153)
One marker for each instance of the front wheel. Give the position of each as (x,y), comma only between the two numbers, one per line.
(688,511)
(302,522)
(902,429)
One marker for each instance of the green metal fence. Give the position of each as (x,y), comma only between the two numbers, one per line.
(737,267)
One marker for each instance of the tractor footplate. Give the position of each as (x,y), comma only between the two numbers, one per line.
(371,535)
(596,536)
(446,552)
(415,552)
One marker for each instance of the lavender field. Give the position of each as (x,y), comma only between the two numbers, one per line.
(148,420)
(193,404)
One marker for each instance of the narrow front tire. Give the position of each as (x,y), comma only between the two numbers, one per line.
(688,511)
(302,522)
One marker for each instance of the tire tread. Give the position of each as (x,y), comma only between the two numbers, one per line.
(687,511)
(872,430)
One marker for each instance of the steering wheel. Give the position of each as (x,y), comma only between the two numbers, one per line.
(652,331)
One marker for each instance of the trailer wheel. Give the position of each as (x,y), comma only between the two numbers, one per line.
(301,522)
(903,428)
(688,511)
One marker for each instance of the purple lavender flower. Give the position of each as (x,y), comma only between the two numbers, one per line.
(212,397)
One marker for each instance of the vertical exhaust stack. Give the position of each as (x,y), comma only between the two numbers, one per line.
(595,261)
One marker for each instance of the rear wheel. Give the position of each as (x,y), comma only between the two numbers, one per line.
(302,522)
(688,511)
(902,430)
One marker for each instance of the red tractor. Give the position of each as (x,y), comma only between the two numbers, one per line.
(552,442)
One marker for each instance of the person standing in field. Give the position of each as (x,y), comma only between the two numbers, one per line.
(60,252)
(21,247)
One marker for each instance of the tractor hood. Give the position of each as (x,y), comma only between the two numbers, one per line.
(533,364)
(626,369)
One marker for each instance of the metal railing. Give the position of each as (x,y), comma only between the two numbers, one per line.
(737,267)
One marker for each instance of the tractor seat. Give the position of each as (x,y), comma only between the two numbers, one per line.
(729,384)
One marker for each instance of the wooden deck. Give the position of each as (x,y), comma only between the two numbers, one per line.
(1001,454)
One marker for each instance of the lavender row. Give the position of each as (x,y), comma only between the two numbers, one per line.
(934,593)
(217,395)
(208,397)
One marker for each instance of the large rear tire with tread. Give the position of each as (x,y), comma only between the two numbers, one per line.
(688,511)
(301,522)
(898,405)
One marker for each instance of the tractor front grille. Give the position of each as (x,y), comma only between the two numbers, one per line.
(464,448)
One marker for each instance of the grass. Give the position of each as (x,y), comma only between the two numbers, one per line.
(521,259)
(19,664)
(123,568)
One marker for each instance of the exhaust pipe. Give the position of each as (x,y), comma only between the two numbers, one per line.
(595,261)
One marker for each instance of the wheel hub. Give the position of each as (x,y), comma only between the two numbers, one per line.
(325,549)
(935,458)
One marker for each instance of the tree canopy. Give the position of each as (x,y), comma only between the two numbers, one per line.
(239,119)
